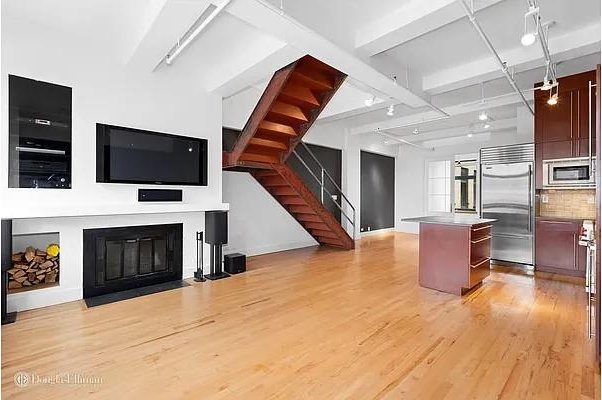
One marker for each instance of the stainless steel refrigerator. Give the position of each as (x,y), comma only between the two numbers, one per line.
(507,194)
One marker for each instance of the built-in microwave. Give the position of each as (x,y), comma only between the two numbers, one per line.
(569,172)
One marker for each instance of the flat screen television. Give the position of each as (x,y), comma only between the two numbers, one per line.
(127,155)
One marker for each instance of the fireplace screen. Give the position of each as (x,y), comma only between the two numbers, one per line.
(128,257)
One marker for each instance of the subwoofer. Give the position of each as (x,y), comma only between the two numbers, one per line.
(235,263)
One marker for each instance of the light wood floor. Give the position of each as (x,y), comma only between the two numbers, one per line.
(316,324)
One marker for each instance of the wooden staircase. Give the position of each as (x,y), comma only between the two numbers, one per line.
(292,101)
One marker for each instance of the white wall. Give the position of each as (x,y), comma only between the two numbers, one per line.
(104,90)
(257,223)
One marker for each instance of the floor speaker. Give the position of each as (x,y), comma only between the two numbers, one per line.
(216,227)
(216,234)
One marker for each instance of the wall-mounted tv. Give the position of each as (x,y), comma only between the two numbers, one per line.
(127,155)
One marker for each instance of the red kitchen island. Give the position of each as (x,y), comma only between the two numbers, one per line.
(455,252)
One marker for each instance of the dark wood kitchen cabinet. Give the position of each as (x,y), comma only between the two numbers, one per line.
(563,130)
(557,247)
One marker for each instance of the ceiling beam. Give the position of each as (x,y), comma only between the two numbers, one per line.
(411,20)
(250,71)
(265,17)
(577,43)
(427,116)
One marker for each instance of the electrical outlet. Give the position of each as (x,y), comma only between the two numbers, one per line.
(591,200)
(544,198)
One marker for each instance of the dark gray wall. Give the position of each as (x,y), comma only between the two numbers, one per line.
(377,191)
(332,160)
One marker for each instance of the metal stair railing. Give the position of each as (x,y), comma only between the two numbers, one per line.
(321,181)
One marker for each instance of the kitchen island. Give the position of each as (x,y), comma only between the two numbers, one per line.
(455,252)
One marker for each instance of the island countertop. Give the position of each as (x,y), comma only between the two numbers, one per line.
(454,219)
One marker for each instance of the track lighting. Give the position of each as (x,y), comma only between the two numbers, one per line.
(204,20)
(483,116)
(391,110)
(369,102)
(529,36)
(547,84)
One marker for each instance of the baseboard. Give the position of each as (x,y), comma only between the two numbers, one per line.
(256,251)
(42,298)
(377,232)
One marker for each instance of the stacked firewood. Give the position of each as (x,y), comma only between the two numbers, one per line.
(32,267)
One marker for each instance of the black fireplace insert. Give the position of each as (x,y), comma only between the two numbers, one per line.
(123,258)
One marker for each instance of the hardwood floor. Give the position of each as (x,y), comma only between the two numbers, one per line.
(316,324)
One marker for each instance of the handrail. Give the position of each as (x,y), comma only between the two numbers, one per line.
(306,147)
(323,188)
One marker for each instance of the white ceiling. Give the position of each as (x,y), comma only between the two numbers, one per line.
(503,22)
(432,44)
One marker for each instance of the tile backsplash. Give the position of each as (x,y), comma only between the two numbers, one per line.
(568,203)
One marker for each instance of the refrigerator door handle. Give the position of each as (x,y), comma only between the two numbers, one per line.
(530,202)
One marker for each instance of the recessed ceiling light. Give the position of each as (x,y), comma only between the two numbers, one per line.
(469,135)
(483,116)
(486,126)
(391,110)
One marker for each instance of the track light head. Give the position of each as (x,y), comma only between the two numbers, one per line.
(415,131)
(528,39)
(391,110)
(486,126)
(483,116)
(529,35)
(369,102)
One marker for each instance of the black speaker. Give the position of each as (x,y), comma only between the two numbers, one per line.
(216,227)
(235,263)
(159,195)
(6,226)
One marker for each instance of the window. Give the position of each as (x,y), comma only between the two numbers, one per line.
(439,183)
(465,186)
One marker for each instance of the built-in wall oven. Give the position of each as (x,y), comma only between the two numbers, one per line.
(569,172)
